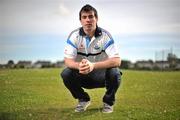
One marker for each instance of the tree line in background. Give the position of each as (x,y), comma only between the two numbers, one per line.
(29,64)
(171,63)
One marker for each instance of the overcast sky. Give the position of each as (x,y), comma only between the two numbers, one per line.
(37,29)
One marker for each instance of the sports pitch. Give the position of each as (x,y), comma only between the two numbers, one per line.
(39,94)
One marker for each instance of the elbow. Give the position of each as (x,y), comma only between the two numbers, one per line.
(66,62)
(119,62)
(116,62)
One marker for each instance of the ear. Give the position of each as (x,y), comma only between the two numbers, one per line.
(80,22)
(97,19)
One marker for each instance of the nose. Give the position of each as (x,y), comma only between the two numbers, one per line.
(87,19)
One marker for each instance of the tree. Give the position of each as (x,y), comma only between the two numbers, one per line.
(10,64)
(172,59)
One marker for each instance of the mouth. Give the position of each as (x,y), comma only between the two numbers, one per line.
(88,25)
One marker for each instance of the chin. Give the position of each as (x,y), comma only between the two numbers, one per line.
(88,30)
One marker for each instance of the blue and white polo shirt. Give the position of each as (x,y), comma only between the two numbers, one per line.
(100,47)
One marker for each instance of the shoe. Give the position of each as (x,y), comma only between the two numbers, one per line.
(107,108)
(82,106)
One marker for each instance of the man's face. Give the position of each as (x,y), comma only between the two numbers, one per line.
(88,21)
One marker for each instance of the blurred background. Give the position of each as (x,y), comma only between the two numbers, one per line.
(33,30)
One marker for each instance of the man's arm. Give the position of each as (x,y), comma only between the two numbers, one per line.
(82,66)
(85,66)
(110,62)
(71,63)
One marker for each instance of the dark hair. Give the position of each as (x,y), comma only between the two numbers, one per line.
(88,8)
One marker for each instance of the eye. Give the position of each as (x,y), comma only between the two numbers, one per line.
(84,17)
(91,16)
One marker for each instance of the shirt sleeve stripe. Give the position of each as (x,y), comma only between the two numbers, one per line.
(108,44)
(70,43)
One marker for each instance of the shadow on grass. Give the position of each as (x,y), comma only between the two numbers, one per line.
(7,116)
(48,114)
(90,112)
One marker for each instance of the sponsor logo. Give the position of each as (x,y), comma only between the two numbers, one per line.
(96,47)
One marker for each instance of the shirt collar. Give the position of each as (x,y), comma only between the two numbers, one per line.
(98,32)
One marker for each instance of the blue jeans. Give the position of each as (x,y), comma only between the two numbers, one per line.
(109,78)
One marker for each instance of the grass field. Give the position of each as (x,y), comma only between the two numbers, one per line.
(39,94)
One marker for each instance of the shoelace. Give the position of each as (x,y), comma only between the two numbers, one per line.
(107,106)
(81,104)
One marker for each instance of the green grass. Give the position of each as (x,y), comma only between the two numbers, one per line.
(39,94)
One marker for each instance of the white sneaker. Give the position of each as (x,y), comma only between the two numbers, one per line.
(82,106)
(107,108)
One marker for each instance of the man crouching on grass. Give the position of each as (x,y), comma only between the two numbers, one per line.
(92,61)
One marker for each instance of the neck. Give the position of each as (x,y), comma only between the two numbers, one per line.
(90,33)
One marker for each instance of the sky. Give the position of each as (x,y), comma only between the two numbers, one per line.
(38,29)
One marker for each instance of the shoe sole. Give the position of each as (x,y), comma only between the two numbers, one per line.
(84,108)
(107,112)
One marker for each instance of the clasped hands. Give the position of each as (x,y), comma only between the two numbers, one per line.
(85,66)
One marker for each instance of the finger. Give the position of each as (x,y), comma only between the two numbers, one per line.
(82,65)
(84,72)
(84,68)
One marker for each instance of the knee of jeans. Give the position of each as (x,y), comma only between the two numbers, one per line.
(114,75)
(113,72)
(66,73)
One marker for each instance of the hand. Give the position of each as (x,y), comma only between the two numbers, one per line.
(91,65)
(85,66)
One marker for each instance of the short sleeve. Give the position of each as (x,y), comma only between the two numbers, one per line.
(110,47)
(112,51)
(70,50)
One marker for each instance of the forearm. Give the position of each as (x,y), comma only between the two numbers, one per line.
(71,63)
(109,63)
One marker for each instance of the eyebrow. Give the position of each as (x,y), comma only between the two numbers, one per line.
(89,16)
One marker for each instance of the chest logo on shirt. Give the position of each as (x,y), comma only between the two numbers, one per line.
(96,47)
